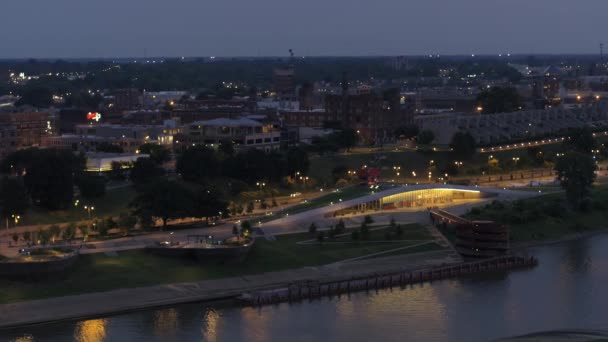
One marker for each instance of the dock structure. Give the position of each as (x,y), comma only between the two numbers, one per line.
(316,289)
(474,239)
(445,216)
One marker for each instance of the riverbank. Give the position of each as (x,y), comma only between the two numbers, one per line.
(125,300)
(565,238)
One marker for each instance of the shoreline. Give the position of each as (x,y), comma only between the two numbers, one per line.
(115,302)
(85,306)
(568,237)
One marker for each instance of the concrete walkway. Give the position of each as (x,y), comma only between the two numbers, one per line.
(125,300)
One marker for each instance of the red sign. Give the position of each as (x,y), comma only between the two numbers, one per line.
(93,116)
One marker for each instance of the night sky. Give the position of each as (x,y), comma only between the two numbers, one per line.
(122,28)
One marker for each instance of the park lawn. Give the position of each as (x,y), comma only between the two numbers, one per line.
(412,231)
(428,247)
(112,203)
(128,269)
(547,217)
(335,196)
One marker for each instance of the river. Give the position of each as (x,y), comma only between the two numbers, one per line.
(566,290)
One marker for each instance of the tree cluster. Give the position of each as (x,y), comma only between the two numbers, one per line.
(499,100)
(200,164)
(166,199)
(576,167)
(343,139)
(48,175)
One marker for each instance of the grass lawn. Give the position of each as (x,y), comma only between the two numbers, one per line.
(411,231)
(334,196)
(114,202)
(547,217)
(100,272)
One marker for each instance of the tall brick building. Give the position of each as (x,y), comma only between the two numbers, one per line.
(29,127)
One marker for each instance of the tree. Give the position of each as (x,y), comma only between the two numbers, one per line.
(50,175)
(163,198)
(198,164)
(576,173)
(463,145)
(536,155)
(54,232)
(36,96)
(13,197)
(245,227)
(110,223)
(346,138)
(226,148)
(340,227)
(364,230)
(144,171)
(339,172)
(91,186)
(499,100)
(157,153)
(126,222)
(109,148)
(580,140)
(84,231)
(44,236)
(425,137)
(407,131)
(117,172)
(27,236)
(69,232)
(312,230)
(83,100)
(368,219)
(249,207)
(320,237)
(15,237)
(297,161)
(399,230)
(252,166)
(235,230)
(206,202)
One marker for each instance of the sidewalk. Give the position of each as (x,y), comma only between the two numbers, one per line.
(125,300)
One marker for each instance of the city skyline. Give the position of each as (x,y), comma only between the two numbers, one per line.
(71,29)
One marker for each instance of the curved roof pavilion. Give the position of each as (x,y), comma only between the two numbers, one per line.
(406,197)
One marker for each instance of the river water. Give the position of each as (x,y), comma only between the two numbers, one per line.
(566,290)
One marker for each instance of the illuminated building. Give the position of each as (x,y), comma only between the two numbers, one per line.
(243,132)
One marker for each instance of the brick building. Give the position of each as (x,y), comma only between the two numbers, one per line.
(29,127)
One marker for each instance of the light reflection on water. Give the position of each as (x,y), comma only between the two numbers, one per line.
(567,290)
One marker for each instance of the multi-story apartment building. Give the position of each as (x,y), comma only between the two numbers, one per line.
(30,127)
(89,143)
(503,127)
(243,132)
(8,139)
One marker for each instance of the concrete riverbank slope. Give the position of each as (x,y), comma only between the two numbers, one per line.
(125,300)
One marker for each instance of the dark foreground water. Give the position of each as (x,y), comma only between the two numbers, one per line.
(569,289)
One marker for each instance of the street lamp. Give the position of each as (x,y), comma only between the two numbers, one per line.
(88,209)
(515,159)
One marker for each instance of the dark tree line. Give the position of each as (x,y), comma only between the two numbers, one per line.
(166,199)
(200,164)
(48,175)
